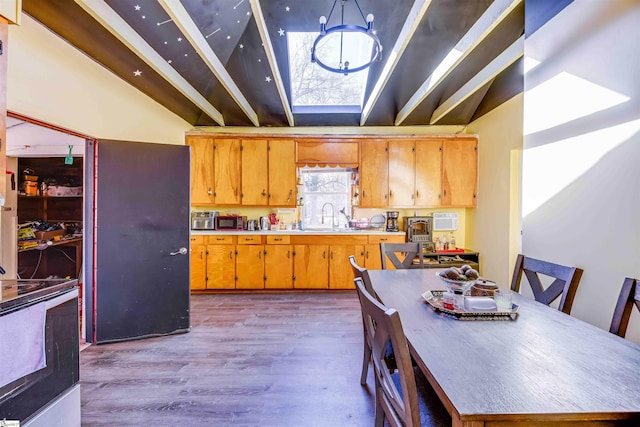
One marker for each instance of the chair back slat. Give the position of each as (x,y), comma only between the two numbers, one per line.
(564,286)
(401,255)
(629,296)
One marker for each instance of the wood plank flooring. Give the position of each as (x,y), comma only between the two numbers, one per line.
(288,359)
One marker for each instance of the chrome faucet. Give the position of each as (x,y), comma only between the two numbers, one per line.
(333,214)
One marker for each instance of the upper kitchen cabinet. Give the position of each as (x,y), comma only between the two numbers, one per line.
(282,172)
(268,172)
(374,173)
(255,172)
(227,174)
(402,172)
(459,172)
(202,178)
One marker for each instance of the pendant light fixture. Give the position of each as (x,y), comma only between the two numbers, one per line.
(339,45)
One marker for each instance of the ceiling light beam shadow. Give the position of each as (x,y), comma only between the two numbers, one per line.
(412,22)
(271,56)
(181,18)
(117,26)
(488,73)
(490,19)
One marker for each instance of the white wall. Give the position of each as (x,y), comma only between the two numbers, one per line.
(581,191)
(51,81)
(493,228)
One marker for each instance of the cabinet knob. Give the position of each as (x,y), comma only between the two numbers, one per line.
(209,192)
(264,193)
(290,196)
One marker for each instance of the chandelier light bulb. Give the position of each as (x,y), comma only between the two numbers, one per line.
(323,20)
(370,17)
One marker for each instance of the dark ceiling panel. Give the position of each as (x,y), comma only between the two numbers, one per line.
(462,113)
(230,29)
(73,24)
(444,24)
(507,85)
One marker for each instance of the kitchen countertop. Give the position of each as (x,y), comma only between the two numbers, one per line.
(336,232)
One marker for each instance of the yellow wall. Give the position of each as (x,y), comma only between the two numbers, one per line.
(493,228)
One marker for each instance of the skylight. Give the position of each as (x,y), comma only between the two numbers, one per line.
(314,89)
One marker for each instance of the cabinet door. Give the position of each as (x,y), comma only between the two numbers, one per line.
(202,177)
(340,271)
(198,272)
(311,267)
(374,174)
(428,173)
(221,267)
(255,172)
(459,172)
(402,172)
(227,172)
(278,266)
(250,267)
(282,173)
(372,260)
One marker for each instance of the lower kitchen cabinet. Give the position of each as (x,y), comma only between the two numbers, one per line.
(278,267)
(198,270)
(311,266)
(221,266)
(280,261)
(340,271)
(250,267)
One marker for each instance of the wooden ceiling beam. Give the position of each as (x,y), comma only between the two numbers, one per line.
(483,27)
(183,20)
(117,26)
(488,73)
(271,56)
(412,22)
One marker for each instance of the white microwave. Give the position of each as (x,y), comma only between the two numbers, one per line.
(445,221)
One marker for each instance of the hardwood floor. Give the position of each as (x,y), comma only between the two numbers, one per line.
(289,359)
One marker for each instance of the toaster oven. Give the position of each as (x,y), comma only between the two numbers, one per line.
(203,220)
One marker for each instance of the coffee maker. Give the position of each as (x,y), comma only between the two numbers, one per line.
(392,221)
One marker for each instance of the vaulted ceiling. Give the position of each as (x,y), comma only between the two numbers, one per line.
(225,62)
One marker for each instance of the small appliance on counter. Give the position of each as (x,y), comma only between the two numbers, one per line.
(419,229)
(203,220)
(230,222)
(392,221)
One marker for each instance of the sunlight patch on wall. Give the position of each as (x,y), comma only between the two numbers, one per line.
(563,98)
(565,161)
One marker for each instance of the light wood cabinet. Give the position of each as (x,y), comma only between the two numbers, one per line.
(249,266)
(374,173)
(255,172)
(221,266)
(459,172)
(282,172)
(198,260)
(340,271)
(402,172)
(311,267)
(428,177)
(202,173)
(372,258)
(278,266)
(227,172)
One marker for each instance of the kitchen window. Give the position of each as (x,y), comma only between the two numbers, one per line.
(326,197)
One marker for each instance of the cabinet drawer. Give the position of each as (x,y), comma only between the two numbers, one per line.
(196,240)
(253,239)
(386,239)
(278,240)
(221,240)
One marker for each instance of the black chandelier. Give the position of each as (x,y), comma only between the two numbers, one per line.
(343,66)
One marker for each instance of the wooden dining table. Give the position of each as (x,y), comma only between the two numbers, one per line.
(542,368)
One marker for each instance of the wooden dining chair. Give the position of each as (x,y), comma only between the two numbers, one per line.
(362,274)
(403,395)
(564,286)
(402,255)
(629,296)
